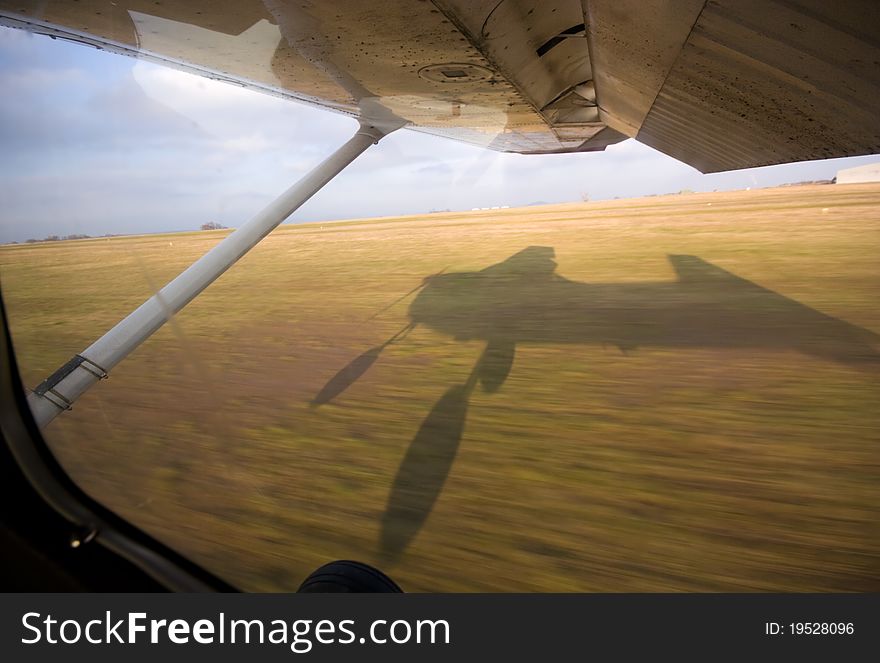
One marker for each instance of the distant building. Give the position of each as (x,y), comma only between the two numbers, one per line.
(869,173)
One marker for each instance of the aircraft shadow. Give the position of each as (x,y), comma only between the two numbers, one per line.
(523,301)
(349,374)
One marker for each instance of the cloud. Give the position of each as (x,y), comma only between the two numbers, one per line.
(223,109)
(94,142)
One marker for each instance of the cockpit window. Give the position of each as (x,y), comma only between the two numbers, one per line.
(524,385)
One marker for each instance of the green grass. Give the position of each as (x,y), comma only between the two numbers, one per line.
(738,454)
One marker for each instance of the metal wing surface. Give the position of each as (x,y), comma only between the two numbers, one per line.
(718,84)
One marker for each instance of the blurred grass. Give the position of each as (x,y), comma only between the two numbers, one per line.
(683,469)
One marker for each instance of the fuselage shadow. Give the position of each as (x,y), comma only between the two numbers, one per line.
(523,301)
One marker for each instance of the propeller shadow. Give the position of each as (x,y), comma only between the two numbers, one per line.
(352,371)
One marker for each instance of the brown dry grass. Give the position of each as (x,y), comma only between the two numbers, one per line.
(698,466)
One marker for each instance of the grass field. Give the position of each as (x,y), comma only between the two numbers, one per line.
(673,393)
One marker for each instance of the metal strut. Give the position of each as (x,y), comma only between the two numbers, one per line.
(60,390)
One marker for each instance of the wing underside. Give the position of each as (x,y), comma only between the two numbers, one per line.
(718,84)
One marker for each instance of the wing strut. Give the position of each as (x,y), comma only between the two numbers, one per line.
(58,392)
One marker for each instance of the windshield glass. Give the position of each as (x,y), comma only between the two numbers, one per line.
(527,384)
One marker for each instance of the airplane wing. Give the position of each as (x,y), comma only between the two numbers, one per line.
(718,84)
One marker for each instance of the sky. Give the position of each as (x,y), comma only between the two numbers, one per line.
(95,143)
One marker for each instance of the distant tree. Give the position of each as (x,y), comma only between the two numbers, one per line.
(212,225)
(52,238)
